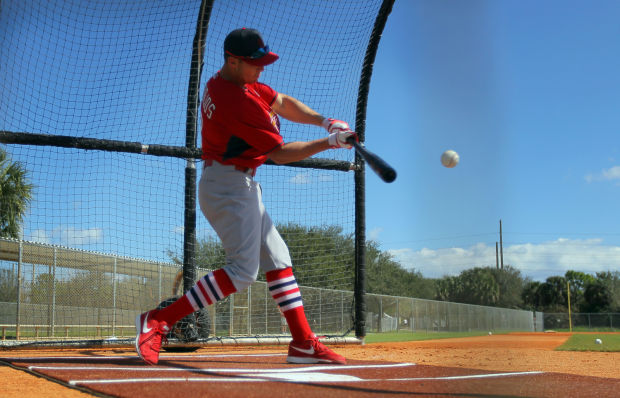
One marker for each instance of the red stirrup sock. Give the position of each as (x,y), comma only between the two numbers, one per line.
(284,290)
(211,288)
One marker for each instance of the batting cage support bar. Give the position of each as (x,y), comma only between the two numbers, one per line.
(64,141)
(200,343)
(191,136)
(360,176)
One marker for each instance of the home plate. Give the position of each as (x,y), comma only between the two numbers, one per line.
(304,377)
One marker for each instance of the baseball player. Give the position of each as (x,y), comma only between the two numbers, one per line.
(240,131)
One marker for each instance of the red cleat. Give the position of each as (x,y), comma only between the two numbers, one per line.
(312,351)
(149,334)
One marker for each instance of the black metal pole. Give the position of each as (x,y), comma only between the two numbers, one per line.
(191,128)
(360,176)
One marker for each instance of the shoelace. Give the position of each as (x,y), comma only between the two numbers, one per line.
(163,339)
(318,346)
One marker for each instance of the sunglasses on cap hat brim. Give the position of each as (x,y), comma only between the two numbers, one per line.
(260,57)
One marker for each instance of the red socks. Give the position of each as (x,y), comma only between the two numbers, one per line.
(284,290)
(211,288)
(217,285)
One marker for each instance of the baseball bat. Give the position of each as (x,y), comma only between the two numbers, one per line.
(378,165)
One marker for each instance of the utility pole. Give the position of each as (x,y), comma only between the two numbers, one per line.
(501,246)
(496,257)
(570,321)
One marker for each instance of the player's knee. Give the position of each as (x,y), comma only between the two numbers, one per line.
(242,278)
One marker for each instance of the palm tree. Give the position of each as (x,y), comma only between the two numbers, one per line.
(15,196)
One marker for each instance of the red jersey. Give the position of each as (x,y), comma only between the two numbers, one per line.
(238,125)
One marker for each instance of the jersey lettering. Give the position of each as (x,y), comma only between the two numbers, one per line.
(238,124)
(275,121)
(207,105)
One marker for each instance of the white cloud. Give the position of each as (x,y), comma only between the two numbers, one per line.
(537,261)
(70,236)
(610,174)
(300,178)
(326,177)
(306,178)
(374,233)
(40,236)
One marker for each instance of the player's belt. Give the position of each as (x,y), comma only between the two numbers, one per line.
(243,169)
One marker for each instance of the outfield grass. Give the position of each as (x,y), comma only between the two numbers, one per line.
(584,329)
(586,342)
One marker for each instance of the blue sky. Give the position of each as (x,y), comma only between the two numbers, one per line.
(527,93)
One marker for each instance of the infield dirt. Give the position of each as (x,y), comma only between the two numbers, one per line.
(510,352)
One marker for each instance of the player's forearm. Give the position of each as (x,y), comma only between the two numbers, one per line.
(299,150)
(296,111)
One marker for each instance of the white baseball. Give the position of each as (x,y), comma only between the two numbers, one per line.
(449,158)
(598,341)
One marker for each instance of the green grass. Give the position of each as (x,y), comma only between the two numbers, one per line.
(388,337)
(577,329)
(586,342)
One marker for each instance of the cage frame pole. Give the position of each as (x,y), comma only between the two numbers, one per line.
(191,138)
(360,175)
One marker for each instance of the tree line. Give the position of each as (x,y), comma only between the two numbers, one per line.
(323,257)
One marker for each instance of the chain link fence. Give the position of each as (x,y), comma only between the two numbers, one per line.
(56,293)
(388,314)
(583,321)
(52,292)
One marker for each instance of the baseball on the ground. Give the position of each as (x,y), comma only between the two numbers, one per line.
(598,341)
(449,158)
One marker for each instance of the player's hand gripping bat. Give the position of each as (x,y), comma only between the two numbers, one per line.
(379,166)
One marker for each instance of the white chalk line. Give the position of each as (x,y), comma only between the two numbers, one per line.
(309,377)
(167,380)
(463,377)
(302,374)
(90,358)
(304,369)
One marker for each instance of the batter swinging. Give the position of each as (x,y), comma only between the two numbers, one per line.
(240,131)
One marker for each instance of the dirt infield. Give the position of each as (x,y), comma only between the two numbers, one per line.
(509,352)
(479,356)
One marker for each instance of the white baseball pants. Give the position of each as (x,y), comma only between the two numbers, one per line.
(232,203)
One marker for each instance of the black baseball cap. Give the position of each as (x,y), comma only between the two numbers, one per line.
(248,44)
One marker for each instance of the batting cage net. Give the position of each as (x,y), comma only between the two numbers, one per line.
(99,125)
